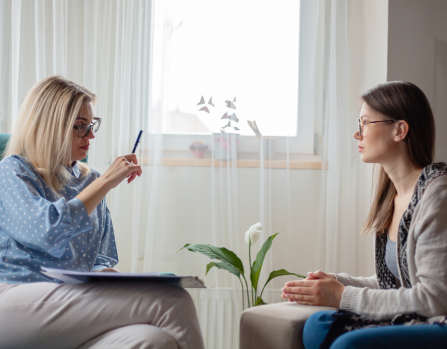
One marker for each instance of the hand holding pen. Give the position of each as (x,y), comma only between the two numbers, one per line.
(134,174)
(124,167)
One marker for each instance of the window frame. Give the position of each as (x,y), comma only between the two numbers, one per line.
(307,140)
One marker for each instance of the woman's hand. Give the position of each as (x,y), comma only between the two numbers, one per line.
(108,270)
(317,289)
(123,167)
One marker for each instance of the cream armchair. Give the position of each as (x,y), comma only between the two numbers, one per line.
(275,326)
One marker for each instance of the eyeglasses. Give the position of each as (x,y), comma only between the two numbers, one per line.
(84,130)
(360,124)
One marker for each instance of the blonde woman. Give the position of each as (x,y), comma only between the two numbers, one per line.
(396,130)
(53,213)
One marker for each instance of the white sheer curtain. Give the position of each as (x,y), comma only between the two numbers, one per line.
(356,53)
(106,45)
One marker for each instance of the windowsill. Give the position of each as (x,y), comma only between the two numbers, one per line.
(241,163)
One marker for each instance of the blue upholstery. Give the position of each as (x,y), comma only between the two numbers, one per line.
(4,138)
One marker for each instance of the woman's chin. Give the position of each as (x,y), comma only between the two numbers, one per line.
(80,155)
(365,159)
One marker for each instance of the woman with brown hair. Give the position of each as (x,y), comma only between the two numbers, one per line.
(53,214)
(408,218)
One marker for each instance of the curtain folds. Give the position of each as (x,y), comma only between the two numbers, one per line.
(108,46)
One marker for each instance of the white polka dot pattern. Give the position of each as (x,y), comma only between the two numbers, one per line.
(40,228)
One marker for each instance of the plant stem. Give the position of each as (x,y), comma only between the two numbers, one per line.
(249,260)
(263,289)
(248,297)
(243,303)
(253,294)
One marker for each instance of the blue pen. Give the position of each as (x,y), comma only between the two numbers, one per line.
(138,141)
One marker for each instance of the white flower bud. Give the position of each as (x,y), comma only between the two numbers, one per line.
(253,233)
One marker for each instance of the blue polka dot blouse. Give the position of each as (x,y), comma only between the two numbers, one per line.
(40,228)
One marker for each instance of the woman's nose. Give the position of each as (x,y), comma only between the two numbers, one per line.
(90,135)
(357,135)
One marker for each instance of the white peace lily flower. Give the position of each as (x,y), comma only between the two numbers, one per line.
(253,233)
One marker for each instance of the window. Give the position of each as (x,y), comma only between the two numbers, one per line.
(246,52)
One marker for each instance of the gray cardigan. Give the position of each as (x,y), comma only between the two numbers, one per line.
(426,258)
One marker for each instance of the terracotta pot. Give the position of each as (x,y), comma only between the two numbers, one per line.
(198,154)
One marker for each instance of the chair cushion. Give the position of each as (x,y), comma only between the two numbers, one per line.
(275,326)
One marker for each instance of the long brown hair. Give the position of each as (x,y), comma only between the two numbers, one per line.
(399,100)
(44,129)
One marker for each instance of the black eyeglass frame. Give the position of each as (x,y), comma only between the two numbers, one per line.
(360,124)
(96,123)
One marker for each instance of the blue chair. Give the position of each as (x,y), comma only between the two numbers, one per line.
(4,139)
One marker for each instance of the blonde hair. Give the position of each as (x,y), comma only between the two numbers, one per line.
(44,130)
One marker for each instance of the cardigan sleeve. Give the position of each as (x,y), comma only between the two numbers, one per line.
(360,281)
(427,260)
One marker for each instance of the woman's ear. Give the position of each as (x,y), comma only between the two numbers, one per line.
(402,129)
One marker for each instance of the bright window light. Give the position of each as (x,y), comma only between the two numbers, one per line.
(226,49)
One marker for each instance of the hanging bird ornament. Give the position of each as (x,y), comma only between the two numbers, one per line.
(233,117)
(230,104)
(226,116)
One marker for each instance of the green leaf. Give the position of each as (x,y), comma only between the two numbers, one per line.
(280,272)
(220,253)
(224,266)
(259,301)
(257,265)
(209,266)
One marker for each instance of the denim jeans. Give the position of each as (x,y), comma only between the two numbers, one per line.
(395,337)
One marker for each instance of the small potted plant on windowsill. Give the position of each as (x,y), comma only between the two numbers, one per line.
(198,149)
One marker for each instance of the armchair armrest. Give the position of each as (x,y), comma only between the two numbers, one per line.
(274,326)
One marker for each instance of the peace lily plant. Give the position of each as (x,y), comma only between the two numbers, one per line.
(229,261)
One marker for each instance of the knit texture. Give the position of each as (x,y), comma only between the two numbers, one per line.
(422,257)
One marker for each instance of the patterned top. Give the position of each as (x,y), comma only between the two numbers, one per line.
(385,278)
(40,228)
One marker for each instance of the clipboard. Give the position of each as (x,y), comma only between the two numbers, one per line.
(76,277)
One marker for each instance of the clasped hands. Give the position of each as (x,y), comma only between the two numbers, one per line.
(318,288)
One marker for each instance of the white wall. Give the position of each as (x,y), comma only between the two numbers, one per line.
(417,52)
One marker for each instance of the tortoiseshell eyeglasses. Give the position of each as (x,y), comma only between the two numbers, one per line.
(361,123)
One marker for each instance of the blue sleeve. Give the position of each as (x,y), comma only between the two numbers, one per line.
(107,256)
(34,221)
